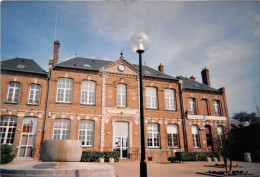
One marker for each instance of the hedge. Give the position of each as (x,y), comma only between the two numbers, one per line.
(194,156)
(6,153)
(93,156)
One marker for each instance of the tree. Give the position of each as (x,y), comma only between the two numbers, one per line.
(244,116)
(225,146)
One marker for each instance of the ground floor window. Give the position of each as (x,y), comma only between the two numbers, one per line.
(173,136)
(195,136)
(7,129)
(153,135)
(86,132)
(220,135)
(61,129)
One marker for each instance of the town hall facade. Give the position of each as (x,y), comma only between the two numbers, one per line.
(97,102)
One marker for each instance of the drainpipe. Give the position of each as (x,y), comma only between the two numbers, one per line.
(46,110)
(183,116)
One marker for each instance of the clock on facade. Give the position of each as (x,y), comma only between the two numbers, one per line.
(121,67)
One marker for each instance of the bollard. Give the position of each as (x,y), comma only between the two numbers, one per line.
(247,157)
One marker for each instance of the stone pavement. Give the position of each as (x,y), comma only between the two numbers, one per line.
(129,168)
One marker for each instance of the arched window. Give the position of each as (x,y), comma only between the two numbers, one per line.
(64,90)
(61,129)
(151,98)
(153,135)
(170,99)
(86,132)
(220,135)
(88,92)
(7,129)
(173,135)
(34,94)
(195,136)
(13,92)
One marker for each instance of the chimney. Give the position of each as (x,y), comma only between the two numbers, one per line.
(56,51)
(192,77)
(160,67)
(205,76)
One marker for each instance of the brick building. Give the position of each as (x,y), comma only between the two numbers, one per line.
(97,102)
(23,102)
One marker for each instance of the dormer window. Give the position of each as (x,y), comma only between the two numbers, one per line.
(20,66)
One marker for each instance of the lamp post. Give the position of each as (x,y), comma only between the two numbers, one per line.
(140,43)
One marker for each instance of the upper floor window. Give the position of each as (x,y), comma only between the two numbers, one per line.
(170,99)
(61,129)
(151,98)
(121,95)
(173,136)
(64,90)
(195,136)
(13,92)
(153,135)
(216,107)
(192,106)
(88,92)
(86,132)
(7,129)
(34,94)
(204,107)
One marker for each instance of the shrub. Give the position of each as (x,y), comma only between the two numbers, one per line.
(94,156)
(175,158)
(196,156)
(6,153)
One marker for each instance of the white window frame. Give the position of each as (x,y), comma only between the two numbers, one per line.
(195,136)
(216,105)
(34,93)
(220,130)
(151,98)
(153,135)
(88,91)
(86,132)
(121,95)
(63,129)
(66,90)
(15,91)
(173,137)
(170,99)
(192,106)
(11,124)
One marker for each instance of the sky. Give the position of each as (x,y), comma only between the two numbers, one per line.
(185,37)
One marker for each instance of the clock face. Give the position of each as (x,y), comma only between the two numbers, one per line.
(121,67)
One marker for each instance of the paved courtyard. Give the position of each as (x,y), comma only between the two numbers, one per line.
(128,168)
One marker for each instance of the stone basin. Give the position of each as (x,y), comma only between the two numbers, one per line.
(61,151)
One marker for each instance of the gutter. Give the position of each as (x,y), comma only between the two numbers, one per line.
(183,116)
(46,110)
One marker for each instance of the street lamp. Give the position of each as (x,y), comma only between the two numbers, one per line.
(140,43)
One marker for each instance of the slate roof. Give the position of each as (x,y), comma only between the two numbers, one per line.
(22,65)
(190,84)
(96,65)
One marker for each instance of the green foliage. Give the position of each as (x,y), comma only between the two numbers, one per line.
(196,156)
(6,153)
(94,156)
(175,158)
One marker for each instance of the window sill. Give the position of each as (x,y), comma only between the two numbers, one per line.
(172,110)
(154,148)
(32,104)
(86,104)
(121,106)
(152,108)
(63,102)
(7,102)
(173,147)
(196,147)
(83,146)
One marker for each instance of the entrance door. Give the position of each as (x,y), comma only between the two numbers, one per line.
(121,138)
(209,137)
(28,136)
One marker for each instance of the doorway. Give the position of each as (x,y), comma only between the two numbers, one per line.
(209,137)
(122,138)
(28,137)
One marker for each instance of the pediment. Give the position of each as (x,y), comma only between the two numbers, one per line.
(120,66)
